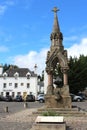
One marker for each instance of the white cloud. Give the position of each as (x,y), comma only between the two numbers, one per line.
(5,6)
(3,49)
(78,49)
(39,58)
(29,60)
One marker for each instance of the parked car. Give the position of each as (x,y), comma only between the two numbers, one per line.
(1,98)
(8,98)
(18,98)
(76,98)
(30,98)
(41,98)
(82,95)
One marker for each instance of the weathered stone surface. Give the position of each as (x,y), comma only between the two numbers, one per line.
(50,126)
(52,102)
(65,90)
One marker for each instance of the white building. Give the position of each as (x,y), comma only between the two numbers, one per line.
(18,81)
(40,87)
(45,82)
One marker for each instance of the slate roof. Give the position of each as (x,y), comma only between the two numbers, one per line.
(21,71)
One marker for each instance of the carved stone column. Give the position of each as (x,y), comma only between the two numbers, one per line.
(50,79)
(50,83)
(65,77)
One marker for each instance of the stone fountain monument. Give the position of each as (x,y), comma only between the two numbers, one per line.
(58,97)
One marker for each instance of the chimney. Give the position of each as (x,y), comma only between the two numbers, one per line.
(35,69)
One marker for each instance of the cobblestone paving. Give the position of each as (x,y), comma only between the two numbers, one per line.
(15,126)
(76,123)
(19,121)
(24,120)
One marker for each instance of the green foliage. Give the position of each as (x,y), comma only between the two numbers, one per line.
(77,75)
(6,67)
(50,113)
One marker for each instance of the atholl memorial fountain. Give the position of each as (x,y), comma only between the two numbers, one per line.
(58,97)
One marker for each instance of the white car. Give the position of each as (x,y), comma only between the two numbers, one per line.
(76,98)
(40,98)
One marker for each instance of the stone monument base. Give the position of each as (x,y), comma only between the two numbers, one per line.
(52,102)
(49,123)
(60,98)
(50,126)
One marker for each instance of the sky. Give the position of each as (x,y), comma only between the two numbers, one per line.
(26,26)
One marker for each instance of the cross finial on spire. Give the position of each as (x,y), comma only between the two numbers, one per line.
(55,9)
(56,27)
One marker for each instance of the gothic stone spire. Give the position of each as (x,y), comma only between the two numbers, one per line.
(56,27)
(56,36)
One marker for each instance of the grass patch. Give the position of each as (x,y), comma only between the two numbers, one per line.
(50,113)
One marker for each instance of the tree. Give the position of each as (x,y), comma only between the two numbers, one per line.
(7,66)
(77,73)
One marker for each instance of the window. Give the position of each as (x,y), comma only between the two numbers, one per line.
(30,93)
(18,93)
(28,75)
(4,75)
(13,94)
(4,85)
(7,93)
(16,75)
(16,85)
(2,93)
(22,84)
(10,84)
(28,85)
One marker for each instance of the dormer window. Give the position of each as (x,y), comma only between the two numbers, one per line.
(4,75)
(28,75)
(16,75)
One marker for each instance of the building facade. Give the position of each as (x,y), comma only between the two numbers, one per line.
(18,81)
(45,81)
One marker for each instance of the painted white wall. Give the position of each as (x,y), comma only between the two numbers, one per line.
(32,81)
(40,89)
(45,81)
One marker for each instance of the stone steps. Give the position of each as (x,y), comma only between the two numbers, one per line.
(62,111)
(63,114)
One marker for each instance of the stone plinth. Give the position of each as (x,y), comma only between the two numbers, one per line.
(52,102)
(49,123)
(60,98)
(50,126)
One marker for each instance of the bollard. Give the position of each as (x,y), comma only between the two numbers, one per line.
(6,109)
(25,105)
